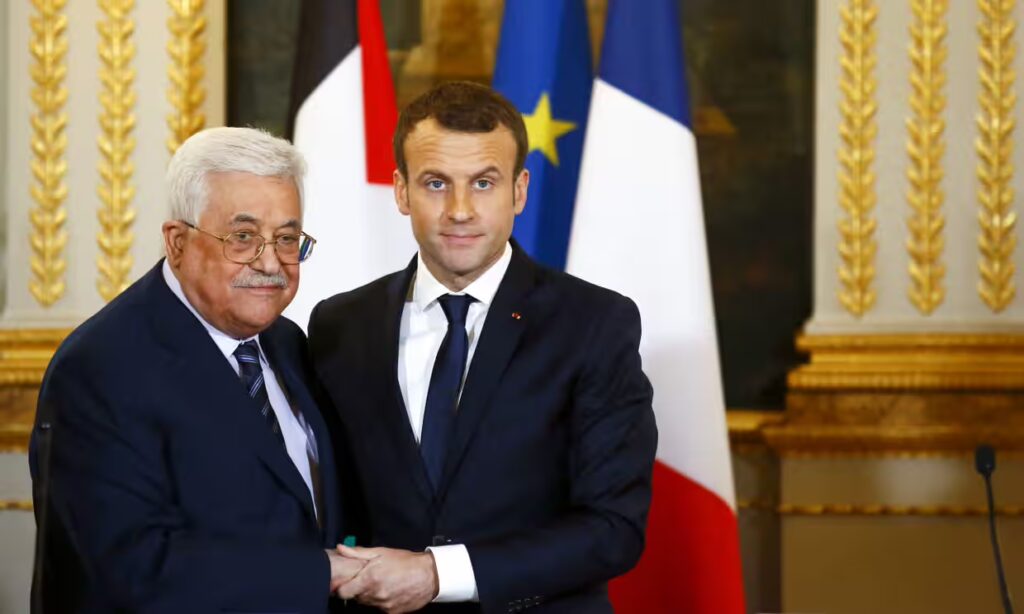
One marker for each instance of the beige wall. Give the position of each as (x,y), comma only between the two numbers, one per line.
(937,559)
(17,535)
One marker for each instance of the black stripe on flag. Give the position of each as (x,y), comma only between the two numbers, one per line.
(328,31)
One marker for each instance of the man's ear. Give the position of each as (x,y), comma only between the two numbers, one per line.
(401,192)
(520,189)
(175,235)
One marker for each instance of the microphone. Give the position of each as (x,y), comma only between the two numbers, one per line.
(985,464)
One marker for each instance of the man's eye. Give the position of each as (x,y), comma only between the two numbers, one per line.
(435,184)
(483,184)
(244,237)
(288,239)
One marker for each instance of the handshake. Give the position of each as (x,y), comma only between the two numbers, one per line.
(386,578)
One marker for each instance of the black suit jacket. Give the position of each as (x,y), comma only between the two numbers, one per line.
(548,474)
(158,487)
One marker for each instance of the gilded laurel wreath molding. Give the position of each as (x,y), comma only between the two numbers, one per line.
(994,146)
(116,144)
(858,129)
(48,46)
(186,48)
(926,148)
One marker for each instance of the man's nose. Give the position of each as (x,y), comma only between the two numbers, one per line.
(267,262)
(459,207)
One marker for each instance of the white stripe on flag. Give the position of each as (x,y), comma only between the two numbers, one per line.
(360,233)
(639,229)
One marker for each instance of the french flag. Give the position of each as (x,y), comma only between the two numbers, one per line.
(344,115)
(638,227)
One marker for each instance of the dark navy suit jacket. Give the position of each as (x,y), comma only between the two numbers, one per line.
(158,486)
(548,474)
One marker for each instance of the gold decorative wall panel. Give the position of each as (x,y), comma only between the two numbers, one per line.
(994,146)
(910,362)
(48,46)
(926,147)
(116,144)
(24,356)
(857,130)
(186,93)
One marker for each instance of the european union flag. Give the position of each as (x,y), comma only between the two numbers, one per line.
(544,68)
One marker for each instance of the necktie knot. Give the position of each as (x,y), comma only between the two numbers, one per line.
(248,353)
(455,307)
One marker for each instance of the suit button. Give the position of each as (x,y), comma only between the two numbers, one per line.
(439,540)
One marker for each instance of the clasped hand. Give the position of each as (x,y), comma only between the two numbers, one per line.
(393,580)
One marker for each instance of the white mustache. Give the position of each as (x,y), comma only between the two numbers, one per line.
(255,279)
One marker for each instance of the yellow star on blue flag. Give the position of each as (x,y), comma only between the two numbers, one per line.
(544,69)
(544,130)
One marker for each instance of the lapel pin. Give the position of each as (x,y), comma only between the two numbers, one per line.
(516,315)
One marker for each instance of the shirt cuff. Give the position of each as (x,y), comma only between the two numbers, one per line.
(455,578)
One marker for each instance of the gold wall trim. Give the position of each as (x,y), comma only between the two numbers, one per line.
(893,454)
(186,93)
(757,505)
(879,422)
(746,427)
(926,148)
(116,144)
(48,46)
(797,440)
(15,506)
(857,131)
(923,341)
(994,146)
(910,362)
(879,509)
(25,354)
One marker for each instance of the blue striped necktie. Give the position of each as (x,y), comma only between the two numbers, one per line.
(445,382)
(251,374)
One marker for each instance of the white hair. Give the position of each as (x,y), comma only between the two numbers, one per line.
(227,150)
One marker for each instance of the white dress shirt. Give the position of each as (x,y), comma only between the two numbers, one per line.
(423,328)
(298,437)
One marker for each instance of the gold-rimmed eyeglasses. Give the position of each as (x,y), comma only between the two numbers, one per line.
(245,247)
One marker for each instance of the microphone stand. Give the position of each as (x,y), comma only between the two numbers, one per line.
(985,464)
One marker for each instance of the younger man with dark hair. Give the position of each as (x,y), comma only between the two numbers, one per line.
(498,413)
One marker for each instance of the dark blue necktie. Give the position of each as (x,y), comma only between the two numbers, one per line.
(251,374)
(445,381)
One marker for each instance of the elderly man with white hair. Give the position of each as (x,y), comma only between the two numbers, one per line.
(180,462)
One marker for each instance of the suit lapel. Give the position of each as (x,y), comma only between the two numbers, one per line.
(199,364)
(498,341)
(297,391)
(395,411)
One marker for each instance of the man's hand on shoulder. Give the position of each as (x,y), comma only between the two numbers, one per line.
(392,580)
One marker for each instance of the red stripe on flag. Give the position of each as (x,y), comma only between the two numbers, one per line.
(692,559)
(380,111)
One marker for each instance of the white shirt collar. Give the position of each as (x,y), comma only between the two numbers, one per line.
(225,342)
(427,289)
